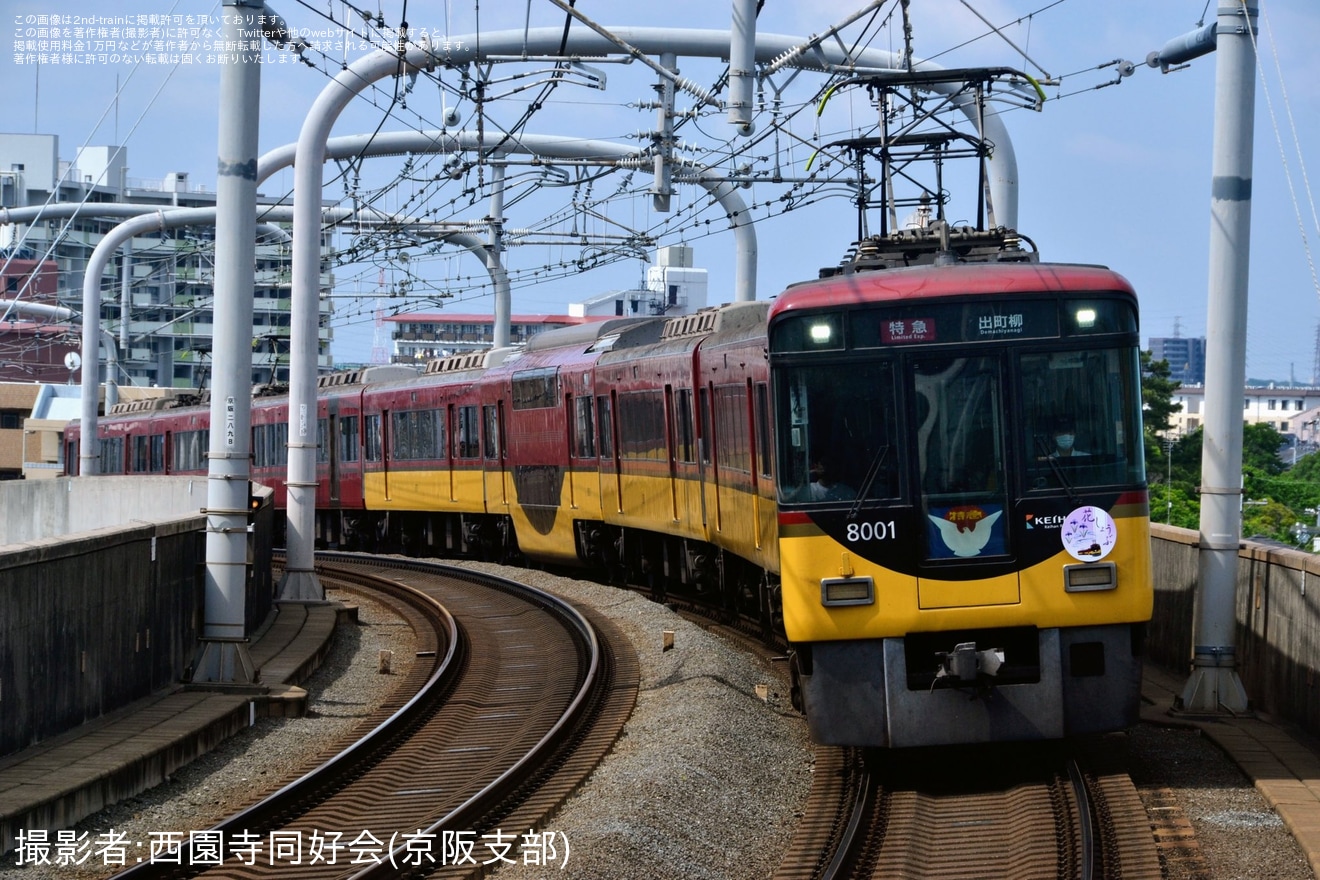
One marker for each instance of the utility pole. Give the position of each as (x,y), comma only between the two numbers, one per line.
(223,654)
(1214,685)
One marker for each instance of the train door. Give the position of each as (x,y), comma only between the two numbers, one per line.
(691,503)
(349,450)
(332,447)
(962,468)
(570,448)
(698,442)
(386,449)
(494,453)
(710,484)
(763,512)
(763,468)
(671,454)
(611,486)
(450,450)
(583,471)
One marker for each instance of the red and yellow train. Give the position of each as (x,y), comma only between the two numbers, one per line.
(931,478)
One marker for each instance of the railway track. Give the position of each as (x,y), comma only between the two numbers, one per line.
(1020,812)
(513,699)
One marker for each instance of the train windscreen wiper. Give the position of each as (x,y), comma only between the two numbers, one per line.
(872,471)
(1058,472)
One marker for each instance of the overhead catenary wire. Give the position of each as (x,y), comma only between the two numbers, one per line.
(1297,147)
(444,199)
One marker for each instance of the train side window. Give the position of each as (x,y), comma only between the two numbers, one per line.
(322,441)
(139,455)
(605,414)
(157,453)
(732,429)
(281,444)
(180,444)
(372,425)
(401,433)
(705,432)
(348,438)
(685,440)
(584,428)
(490,434)
(112,455)
(763,452)
(466,434)
(429,441)
(642,425)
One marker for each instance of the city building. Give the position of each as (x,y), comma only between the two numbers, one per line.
(1290,410)
(420,336)
(673,287)
(16,402)
(1185,354)
(157,291)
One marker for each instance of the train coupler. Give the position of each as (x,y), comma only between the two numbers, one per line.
(966,665)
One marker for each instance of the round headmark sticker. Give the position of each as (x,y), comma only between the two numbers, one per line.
(1089,534)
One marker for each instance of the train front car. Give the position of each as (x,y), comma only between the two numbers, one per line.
(963,516)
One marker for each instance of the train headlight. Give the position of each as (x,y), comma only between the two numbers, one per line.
(1089,577)
(847,591)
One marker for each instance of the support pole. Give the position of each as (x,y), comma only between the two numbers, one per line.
(223,654)
(125,296)
(742,66)
(662,187)
(1214,685)
(503,317)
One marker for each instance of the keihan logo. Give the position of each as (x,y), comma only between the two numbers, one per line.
(1044,522)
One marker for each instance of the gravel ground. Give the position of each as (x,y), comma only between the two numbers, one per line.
(707,780)
(1239,834)
(259,760)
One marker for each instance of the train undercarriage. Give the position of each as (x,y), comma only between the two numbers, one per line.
(664,565)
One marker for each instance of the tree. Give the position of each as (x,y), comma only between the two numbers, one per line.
(1185,511)
(1157,405)
(1260,449)
(1270,519)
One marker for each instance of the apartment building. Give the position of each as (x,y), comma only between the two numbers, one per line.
(1290,409)
(157,292)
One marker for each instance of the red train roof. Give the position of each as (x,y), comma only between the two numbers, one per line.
(990,279)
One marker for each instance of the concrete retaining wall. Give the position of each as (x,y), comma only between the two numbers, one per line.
(68,505)
(92,621)
(1278,615)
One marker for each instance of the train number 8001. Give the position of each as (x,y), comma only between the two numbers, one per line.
(872,531)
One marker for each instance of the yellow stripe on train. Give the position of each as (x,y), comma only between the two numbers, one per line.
(903,603)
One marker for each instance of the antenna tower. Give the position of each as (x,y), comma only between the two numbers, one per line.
(1315,365)
(378,353)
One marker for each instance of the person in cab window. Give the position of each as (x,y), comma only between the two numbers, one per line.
(825,487)
(1065,439)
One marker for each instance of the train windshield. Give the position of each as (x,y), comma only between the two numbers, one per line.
(1081,418)
(965,430)
(839,433)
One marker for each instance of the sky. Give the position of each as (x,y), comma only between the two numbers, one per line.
(1112,169)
